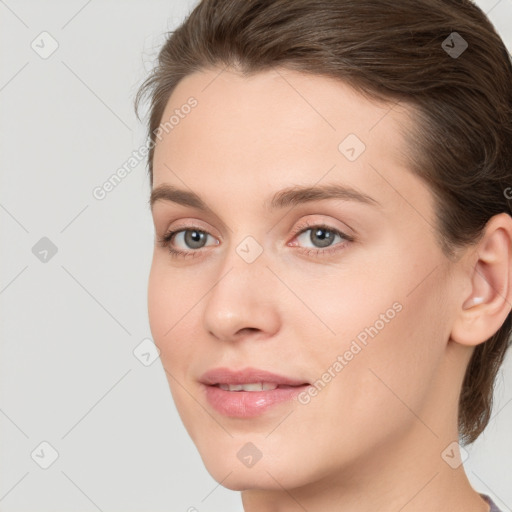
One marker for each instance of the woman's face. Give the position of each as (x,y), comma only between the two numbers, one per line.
(343,287)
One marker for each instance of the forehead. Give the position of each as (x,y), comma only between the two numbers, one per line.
(275,128)
(278,111)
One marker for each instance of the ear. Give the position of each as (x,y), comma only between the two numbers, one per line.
(484,310)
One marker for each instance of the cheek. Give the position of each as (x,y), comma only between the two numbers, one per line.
(172,294)
(174,306)
(169,304)
(385,343)
(380,392)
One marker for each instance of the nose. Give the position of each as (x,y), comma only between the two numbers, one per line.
(243,301)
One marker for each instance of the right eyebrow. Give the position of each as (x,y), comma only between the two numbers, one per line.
(174,195)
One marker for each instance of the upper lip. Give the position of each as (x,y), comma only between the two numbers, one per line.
(246,376)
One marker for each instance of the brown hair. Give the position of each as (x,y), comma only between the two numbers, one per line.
(461,143)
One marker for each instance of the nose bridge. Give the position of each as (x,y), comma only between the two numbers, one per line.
(241,296)
(244,262)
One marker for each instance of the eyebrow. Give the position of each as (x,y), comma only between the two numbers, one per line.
(291,196)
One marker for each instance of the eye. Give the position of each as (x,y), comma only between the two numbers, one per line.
(193,237)
(322,238)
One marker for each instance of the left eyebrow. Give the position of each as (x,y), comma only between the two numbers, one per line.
(296,195)
(291,196)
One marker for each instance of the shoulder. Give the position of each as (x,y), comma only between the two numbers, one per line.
(493,505)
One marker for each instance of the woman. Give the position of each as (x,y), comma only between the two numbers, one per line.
(331,282)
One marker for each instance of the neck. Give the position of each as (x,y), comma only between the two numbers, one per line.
(409,475)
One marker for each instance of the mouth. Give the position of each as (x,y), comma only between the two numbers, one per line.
(249,392)
(257,386)
(250,379)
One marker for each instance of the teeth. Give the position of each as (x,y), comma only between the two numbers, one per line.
(256,386)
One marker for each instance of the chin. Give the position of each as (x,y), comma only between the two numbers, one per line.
(271,472)
(241,479)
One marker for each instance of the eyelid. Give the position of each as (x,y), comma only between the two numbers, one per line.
(187,225)
(308,224)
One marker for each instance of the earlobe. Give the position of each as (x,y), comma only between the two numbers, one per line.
(484,310)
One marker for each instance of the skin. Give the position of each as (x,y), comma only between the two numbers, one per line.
(372,439)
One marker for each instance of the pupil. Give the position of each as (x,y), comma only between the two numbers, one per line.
(193,237)
(325,239)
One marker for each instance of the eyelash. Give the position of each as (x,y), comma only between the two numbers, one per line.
(176,253)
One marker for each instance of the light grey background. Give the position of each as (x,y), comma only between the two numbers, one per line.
(68,375)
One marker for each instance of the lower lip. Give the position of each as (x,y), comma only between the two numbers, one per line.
(247,404)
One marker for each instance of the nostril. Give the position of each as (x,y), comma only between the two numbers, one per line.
(248,329)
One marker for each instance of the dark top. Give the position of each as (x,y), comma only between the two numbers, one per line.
(494,508)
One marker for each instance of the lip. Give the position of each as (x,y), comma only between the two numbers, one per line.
(246,404)
(247,375)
